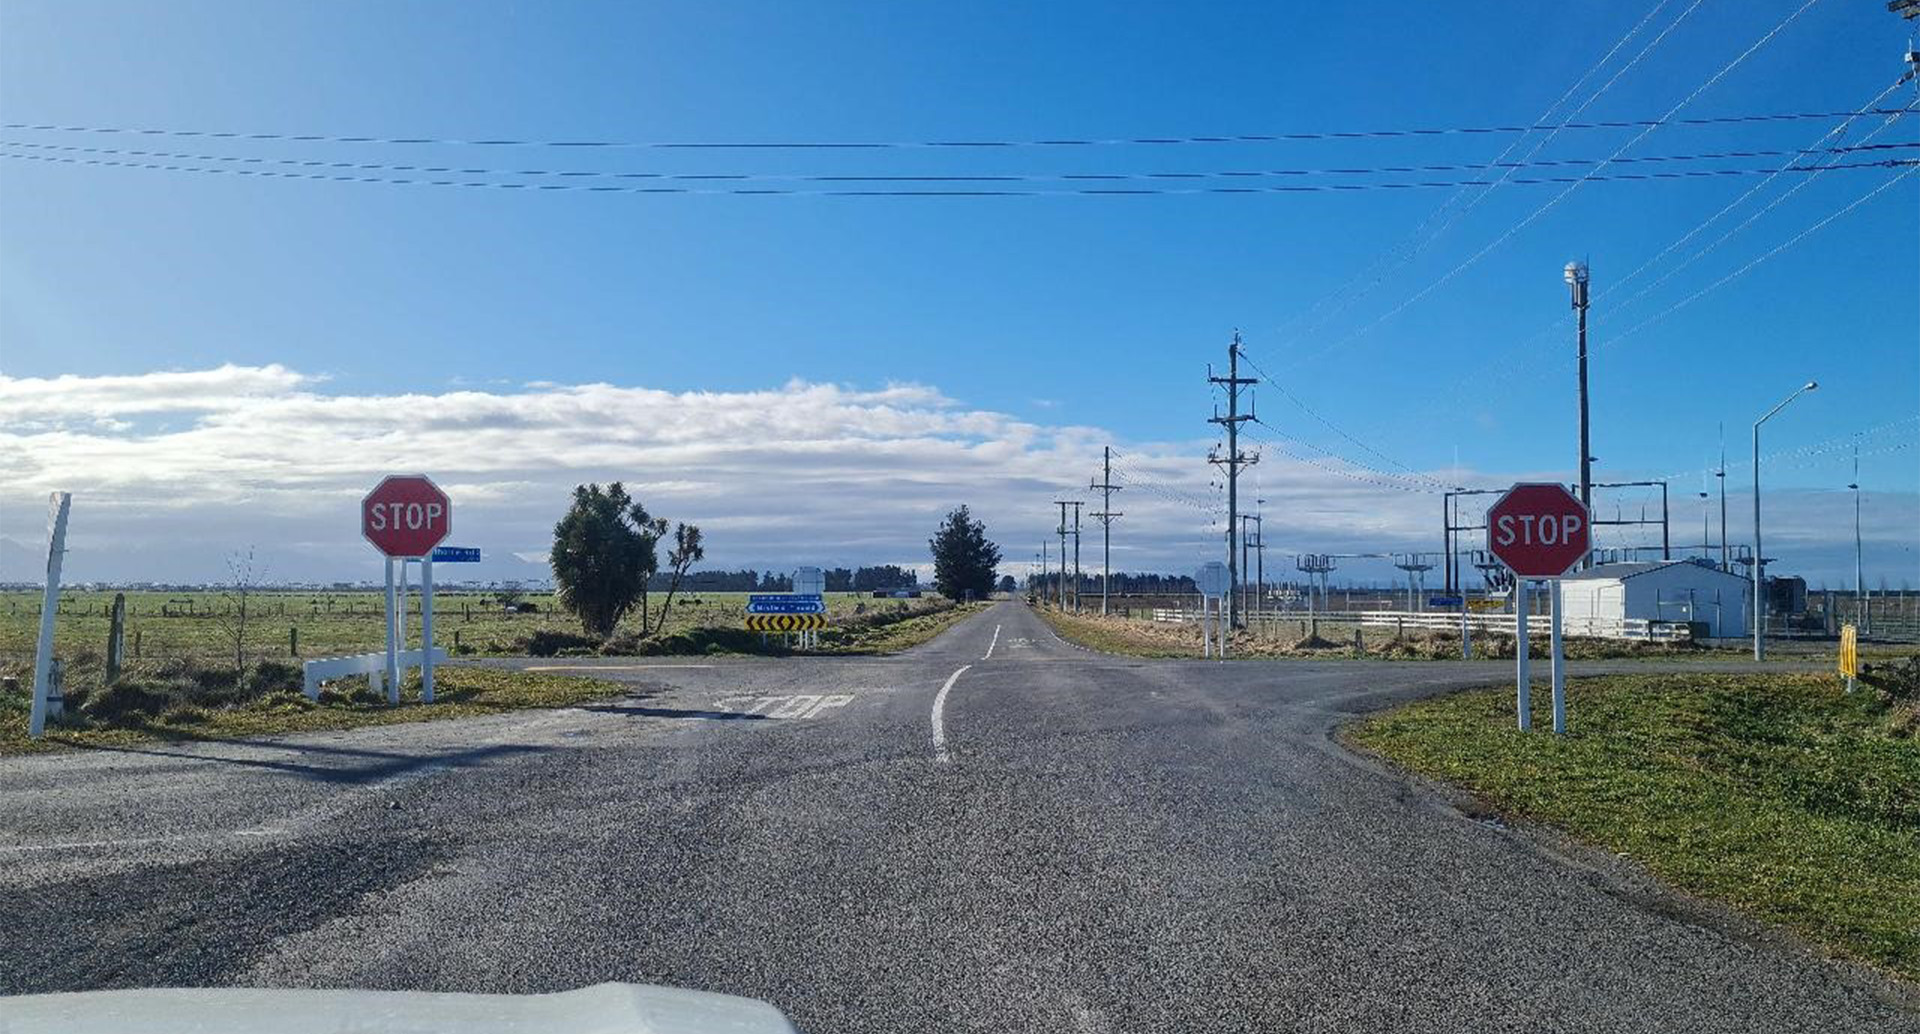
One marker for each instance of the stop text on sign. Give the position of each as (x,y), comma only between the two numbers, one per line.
(1528,529)
(410,516)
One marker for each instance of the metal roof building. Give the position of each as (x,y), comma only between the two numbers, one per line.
(1604,599)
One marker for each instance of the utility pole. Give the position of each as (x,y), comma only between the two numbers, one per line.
(1076,558)
(1042,594)
(1576,276)
(1233,460)
(1106,488)
(1060,596)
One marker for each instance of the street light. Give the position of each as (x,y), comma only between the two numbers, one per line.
(1759,613)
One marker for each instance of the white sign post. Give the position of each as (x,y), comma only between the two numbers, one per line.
(43,703)
(809,581)
(426,629)
(1212,580)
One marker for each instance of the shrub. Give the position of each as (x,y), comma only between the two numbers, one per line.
(125,702)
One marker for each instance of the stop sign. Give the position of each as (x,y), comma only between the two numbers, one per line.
(406,515)
(1540,530)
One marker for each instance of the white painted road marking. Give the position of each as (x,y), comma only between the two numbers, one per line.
(805,705)
(939,721)
(990,646)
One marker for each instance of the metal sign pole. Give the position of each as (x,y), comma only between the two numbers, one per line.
(393,634)
(1559,662)
(1523,679)
(426,629)
(1466,638)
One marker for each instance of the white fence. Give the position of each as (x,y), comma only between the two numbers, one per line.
(372,665)
(1441,621)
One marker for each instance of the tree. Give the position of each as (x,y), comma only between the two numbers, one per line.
(509,595)
(963,559)
(687,551)
(1007,584)
(242,576)
(603,554)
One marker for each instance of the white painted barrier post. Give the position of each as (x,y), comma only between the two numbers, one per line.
(1559,663)
(426,629)
(393,640)
(1522,677)
(58,504)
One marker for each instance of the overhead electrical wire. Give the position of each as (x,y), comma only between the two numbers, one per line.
(1278,386)
(1554,202)
(956,178)
(1379,478)
(1509,370)
(1743,270)
(775,145)
(1417,241)
(949,192)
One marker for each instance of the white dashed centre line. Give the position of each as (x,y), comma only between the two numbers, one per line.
(990,646)
(939,720)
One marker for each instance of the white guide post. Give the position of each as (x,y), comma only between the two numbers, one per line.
(57,506)
(426,629)
(1559,664)
(1466,638)
(1224,626)
(1523,679)
(393,640)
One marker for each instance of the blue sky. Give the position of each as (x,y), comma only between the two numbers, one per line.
(1054,312)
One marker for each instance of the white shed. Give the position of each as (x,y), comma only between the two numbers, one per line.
(1601,599)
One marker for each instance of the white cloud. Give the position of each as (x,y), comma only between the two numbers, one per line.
(804,472)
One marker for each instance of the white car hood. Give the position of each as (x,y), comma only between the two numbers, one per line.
(600,1009)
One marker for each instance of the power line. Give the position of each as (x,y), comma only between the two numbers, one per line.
(1156,141)
(1743,270)
(954,178)
(1331,426)
(1573,186)
(954,192)
(1411,246)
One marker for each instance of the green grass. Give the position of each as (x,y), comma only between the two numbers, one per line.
(459,693)
(193,624)
(1775,793)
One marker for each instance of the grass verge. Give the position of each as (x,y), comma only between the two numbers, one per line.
(1331,640)
(459,693)
(1776,793)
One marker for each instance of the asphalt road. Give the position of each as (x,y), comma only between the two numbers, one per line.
(997,831)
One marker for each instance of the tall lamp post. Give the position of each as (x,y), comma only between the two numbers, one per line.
(1759,603)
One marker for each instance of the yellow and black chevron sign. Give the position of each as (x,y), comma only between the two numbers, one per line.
(785,622)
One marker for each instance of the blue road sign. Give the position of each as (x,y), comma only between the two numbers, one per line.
(785,603)
(456,554)
(1446,601)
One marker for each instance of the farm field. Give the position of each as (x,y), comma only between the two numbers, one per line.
(283,625)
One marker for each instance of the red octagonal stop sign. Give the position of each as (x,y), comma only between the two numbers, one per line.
(406,515)
(1540,530)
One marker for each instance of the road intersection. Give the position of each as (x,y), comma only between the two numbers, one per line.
(997,830)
